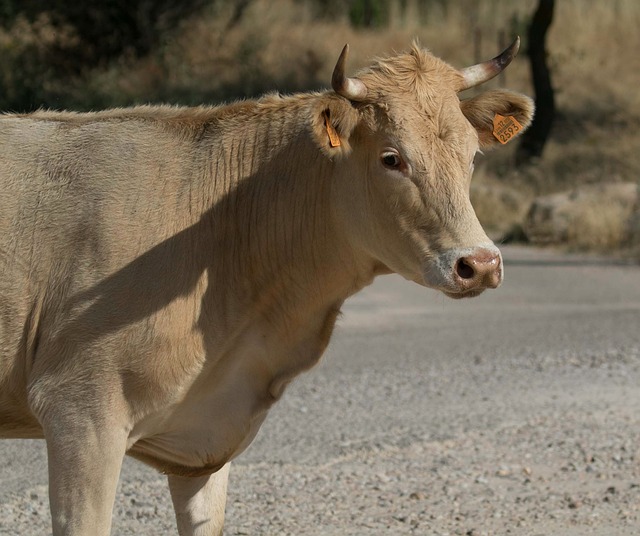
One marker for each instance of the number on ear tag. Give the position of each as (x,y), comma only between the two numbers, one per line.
(505,128)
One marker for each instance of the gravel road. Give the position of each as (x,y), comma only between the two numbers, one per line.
(514,413)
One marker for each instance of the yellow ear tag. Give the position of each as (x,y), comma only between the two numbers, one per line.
(505,128)
(334,139)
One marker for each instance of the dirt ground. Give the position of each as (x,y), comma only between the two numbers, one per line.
(515,413)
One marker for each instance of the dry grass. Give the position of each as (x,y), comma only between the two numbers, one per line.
(592,217)
(282,45)
(598,227)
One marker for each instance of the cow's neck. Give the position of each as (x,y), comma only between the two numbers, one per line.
(277,271)
(279,258)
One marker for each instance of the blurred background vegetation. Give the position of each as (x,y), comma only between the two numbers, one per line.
(102,53)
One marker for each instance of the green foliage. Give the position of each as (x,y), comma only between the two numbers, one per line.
(107,28)
(8,10)
(369,13)
(47,44)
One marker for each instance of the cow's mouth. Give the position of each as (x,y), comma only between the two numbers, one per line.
(464,294)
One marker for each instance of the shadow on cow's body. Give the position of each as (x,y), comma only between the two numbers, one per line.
(167,271)
(191,316)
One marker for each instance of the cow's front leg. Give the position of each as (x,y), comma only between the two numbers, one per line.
(84,466)
(199,503)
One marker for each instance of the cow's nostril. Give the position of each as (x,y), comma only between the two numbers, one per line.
(464,270)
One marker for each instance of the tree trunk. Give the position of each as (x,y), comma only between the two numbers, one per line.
(534,139)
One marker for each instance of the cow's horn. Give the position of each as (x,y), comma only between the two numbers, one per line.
(477,74)
(350,88)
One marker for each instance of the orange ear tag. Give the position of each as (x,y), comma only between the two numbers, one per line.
(505,128)
(334,139)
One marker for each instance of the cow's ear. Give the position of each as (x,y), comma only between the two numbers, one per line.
(486,112)
(332,122)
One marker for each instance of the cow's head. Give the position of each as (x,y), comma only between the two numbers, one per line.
(405,145)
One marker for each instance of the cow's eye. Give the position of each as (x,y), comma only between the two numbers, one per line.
(391,160)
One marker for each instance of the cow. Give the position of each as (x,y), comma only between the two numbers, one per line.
(167,271)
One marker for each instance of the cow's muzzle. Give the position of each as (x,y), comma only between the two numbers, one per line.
(481,270)
(465,273)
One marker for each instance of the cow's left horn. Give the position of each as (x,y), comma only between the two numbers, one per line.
(477,74)
(350,88)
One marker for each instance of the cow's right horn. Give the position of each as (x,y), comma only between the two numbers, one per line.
(350,88)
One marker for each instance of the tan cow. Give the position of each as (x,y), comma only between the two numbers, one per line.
(165,272)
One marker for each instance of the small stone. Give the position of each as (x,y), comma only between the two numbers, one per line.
(503,472)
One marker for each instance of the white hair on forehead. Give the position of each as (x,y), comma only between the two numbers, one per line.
(417,72)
